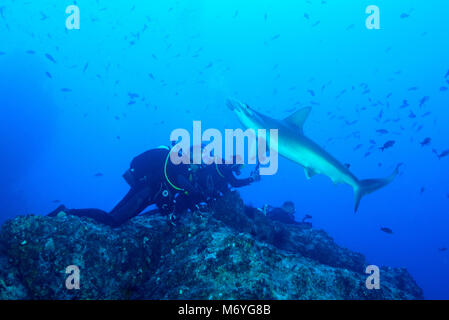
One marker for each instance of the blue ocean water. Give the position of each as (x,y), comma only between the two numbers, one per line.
(76,103)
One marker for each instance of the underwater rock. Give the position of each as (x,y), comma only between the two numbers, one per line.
(230,252)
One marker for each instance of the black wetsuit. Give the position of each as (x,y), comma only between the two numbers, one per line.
(220,176)
(150,183)
(279,214)
(215,179)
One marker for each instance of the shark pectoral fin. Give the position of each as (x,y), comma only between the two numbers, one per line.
(298,118)
(309,173)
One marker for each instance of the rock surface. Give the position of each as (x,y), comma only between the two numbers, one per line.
(230,252)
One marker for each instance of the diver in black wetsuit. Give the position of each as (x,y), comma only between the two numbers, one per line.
(285,214)
(153,179)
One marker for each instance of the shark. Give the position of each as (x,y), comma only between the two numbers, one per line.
(294,145)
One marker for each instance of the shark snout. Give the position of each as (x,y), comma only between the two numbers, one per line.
(233,104)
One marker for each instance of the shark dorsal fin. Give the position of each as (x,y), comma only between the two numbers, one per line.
(298,118)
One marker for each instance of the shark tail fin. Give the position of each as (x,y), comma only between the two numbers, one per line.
(368,186)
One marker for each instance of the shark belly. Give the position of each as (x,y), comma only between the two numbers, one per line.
(314,159)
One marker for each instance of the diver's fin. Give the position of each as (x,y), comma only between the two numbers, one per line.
(298,118)
(309,173)
(368,186)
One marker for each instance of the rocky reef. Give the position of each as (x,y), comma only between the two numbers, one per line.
(229,252)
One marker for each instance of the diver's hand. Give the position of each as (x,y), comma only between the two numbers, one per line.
(255,175)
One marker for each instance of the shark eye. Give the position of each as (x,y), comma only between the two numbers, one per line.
(249,110)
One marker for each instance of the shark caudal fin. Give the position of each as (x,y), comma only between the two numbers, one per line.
(368,186)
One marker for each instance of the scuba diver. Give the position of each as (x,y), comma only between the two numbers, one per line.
(153,179)
(284,214)
(214,180)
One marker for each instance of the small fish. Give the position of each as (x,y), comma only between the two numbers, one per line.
(56,201)
(382,131)
(423,100)
(381,113)
(350,123)
(49,57)
(387,145)
(404,15)
(446,75)
(275,37)
(421,191)
(85,66)
(442,249)
(357,147)
(66,90)
(30,52)
(413,89)
(347,165)
(2,53)
(43,16)
(405,104)
(443,154)
(99,174)
(48,74)
(386,230)
(425,142)
(411,115)
(443,89)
